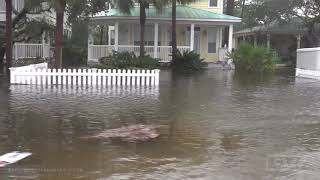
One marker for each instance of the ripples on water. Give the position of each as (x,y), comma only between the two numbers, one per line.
(220,126)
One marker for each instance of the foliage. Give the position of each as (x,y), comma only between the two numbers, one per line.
(75,48)
(128,60)
(74,56)
(85,8)
(265,12)
(254,59)
(188,61)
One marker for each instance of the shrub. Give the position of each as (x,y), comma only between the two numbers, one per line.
(73,56)
(128,60)
(146,62)
(254,59)
(188,61)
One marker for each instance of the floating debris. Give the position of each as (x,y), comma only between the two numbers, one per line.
(132,133)
(13,157)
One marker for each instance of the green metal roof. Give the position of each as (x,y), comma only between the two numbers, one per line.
(184,12)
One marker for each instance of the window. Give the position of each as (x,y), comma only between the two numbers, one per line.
(213,3)
(212,40)
(148,35)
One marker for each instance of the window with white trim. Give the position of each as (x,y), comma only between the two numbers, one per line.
(213,3)
(212,40)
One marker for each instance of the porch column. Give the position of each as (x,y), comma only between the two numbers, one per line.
(230,37)
(268,40)
(192,37)
(220,37)
(156,37)
(298,41)
(116,38)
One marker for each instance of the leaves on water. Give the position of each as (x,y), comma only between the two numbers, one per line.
(132,133)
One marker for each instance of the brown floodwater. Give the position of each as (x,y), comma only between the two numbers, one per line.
(218,126)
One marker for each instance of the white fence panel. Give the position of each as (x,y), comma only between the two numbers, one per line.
(41,75)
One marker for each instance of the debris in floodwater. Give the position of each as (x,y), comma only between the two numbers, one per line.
(132,134)
(12,157)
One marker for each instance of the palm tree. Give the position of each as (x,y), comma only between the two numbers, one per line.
(8,34)
(174,25)
(242,7)
(59,6)
(126,5)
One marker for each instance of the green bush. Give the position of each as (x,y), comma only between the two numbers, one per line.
(254,59)
(73,56)
(188,61)
(128,60)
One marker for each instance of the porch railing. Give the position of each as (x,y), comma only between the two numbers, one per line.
(22,50)
(2,6)
(95,52)
(17,4)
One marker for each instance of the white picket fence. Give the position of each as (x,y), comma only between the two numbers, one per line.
(40,75)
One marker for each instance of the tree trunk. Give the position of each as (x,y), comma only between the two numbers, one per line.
(8,34)
(142,26)
(59,36)
(174,31)
(242,8)
(2,52)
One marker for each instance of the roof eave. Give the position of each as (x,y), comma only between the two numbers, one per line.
(166,19)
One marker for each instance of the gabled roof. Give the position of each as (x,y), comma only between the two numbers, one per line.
(183,12)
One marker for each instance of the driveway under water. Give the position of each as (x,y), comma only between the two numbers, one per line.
(219,125)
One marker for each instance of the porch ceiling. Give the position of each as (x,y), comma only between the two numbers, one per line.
(184,13)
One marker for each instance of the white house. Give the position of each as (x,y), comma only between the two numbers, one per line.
(199,27)
(39,48)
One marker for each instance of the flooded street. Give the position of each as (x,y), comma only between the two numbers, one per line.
(219,125)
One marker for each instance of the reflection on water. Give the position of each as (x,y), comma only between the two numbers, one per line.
(220,125)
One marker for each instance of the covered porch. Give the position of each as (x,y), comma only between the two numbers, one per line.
(197,30)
